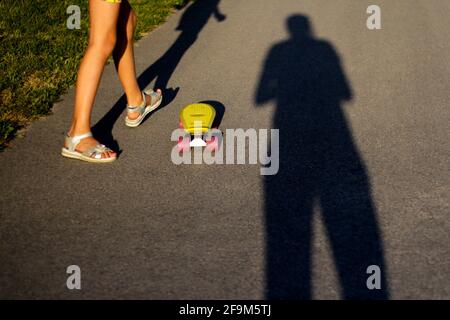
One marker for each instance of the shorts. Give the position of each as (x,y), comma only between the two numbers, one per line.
(113,1)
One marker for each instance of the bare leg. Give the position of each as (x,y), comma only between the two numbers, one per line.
(123,55)
(102,40)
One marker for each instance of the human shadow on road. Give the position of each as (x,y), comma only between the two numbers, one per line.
(193,20)
(320,167)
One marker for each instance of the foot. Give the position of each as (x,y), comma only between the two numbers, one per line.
(148,98)
(89,143)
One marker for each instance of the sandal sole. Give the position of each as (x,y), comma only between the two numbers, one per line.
(78,156)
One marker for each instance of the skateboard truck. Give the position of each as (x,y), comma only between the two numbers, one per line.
(198,141)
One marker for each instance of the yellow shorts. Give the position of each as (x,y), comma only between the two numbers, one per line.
(114,1)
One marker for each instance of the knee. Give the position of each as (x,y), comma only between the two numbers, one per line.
(104,45)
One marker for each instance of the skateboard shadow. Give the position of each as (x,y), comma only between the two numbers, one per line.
(320,167)
(193,20)
(220,112)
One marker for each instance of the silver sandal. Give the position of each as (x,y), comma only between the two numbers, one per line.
(91,155)
(144,109)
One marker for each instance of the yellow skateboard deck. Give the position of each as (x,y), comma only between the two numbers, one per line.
(197,117)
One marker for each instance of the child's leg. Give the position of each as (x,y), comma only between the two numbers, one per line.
(124,56)
(102,40)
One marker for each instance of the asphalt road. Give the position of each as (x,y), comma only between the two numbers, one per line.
(364,174)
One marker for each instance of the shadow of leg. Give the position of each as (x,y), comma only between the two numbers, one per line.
(288,225)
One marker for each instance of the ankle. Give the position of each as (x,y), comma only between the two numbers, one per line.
(78,130)
(135,100)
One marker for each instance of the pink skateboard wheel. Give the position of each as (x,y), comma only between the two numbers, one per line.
(183,144)
(213,144)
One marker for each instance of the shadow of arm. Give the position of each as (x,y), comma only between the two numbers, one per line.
(337,83)
(268,84)
(218,15)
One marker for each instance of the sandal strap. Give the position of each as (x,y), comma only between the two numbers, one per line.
(97,151)
(72,142)
(140,108)
(154,97)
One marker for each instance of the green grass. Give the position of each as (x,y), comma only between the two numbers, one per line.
(39,56)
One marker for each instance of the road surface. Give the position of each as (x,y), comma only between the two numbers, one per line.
(363,119)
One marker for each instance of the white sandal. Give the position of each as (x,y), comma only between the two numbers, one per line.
(91,155)
(144,109)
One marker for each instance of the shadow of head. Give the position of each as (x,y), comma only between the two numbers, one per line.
(299,26)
